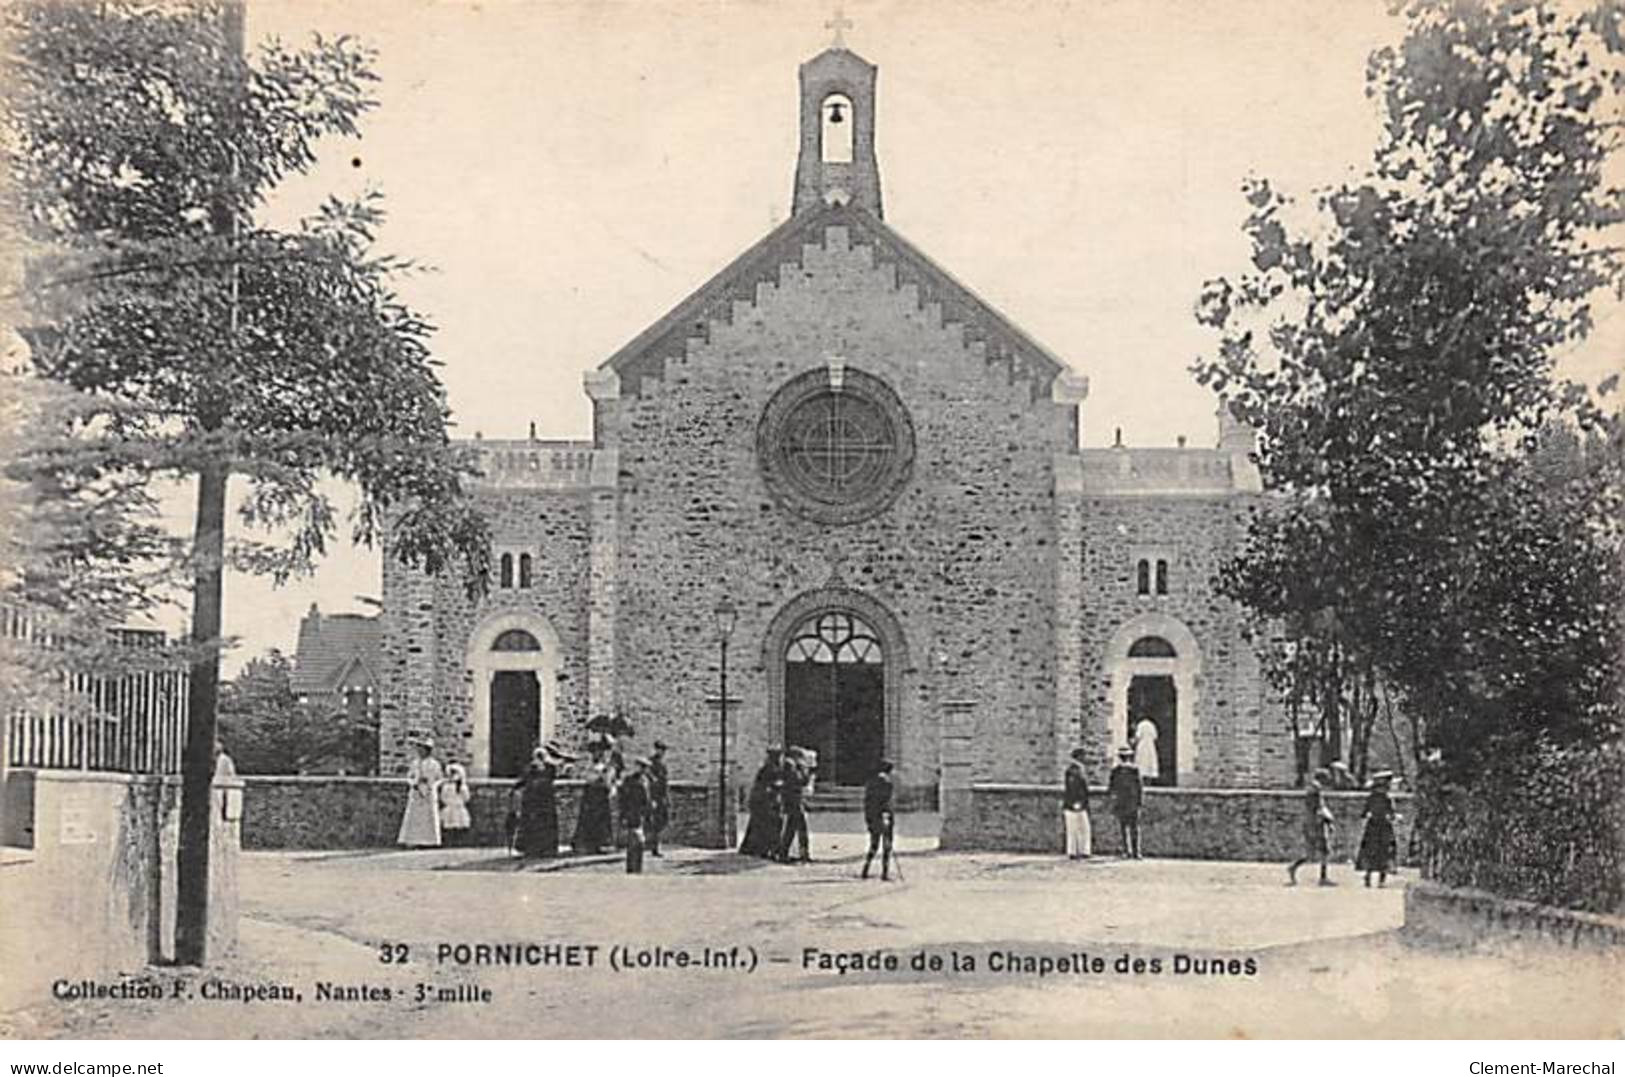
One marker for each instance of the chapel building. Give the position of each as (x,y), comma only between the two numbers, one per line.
(882,475)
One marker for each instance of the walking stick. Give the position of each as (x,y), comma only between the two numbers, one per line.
(896,861)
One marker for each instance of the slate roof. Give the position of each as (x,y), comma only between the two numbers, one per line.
(645,356)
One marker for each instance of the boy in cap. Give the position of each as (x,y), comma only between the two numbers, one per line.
(634,803)
(659,779)
(1317,829)
(877,816)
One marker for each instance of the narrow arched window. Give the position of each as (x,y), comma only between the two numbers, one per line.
(524,570)
(835,130)
(1142,577)
(506,574)
(1162,577)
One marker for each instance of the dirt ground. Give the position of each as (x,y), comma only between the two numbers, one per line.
(968,945)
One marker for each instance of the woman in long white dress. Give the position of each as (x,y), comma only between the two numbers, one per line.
(420,825)
(1145,749)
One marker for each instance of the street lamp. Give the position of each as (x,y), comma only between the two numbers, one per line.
(726,616)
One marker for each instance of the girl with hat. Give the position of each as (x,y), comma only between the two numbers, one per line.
(1377,845)
(454,797)
(420,824)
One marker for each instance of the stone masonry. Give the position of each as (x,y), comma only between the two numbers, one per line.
(1001,579)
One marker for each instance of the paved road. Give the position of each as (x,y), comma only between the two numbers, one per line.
(1322,961)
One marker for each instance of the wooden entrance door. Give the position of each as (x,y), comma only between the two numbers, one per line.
(516,721)
(834,696)
(1155,697)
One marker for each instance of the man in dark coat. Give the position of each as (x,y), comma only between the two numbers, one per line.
(634,803)
(877,816)
(1125,790)
(659,779)
(795,813)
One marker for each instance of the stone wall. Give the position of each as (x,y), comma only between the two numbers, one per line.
(88,877)
(321,812)
(1216,824)
(1474,918)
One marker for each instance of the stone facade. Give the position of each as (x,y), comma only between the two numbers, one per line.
(538,499)
(999,577)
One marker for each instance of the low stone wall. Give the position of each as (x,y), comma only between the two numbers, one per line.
(1474,918)
(327,812)
(88,880)
(1213,824)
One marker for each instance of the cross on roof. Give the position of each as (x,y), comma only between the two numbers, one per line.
(839,24)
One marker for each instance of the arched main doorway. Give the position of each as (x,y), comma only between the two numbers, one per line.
(1153,696)
(1153,662)
(835,695)
(513,659)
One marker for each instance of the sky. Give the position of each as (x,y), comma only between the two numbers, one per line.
(572,168)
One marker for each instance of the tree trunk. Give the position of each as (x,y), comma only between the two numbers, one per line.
(209,554)
(202,698)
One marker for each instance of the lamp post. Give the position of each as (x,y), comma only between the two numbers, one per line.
(726,616)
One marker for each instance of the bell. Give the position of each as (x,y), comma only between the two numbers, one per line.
(835,112)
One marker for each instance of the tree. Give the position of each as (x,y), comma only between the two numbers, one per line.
(144,141)
(1395,344)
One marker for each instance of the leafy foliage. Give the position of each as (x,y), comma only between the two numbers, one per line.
(1394,343)
(143,145)
(79,554)
(1544,824)
(268,730)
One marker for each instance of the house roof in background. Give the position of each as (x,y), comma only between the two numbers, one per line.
(329,646)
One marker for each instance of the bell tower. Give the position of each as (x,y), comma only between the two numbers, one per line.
(837,163)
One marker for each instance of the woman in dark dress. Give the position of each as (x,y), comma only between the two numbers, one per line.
(1377,844)
(593,824)
(538,808)
(766,819)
